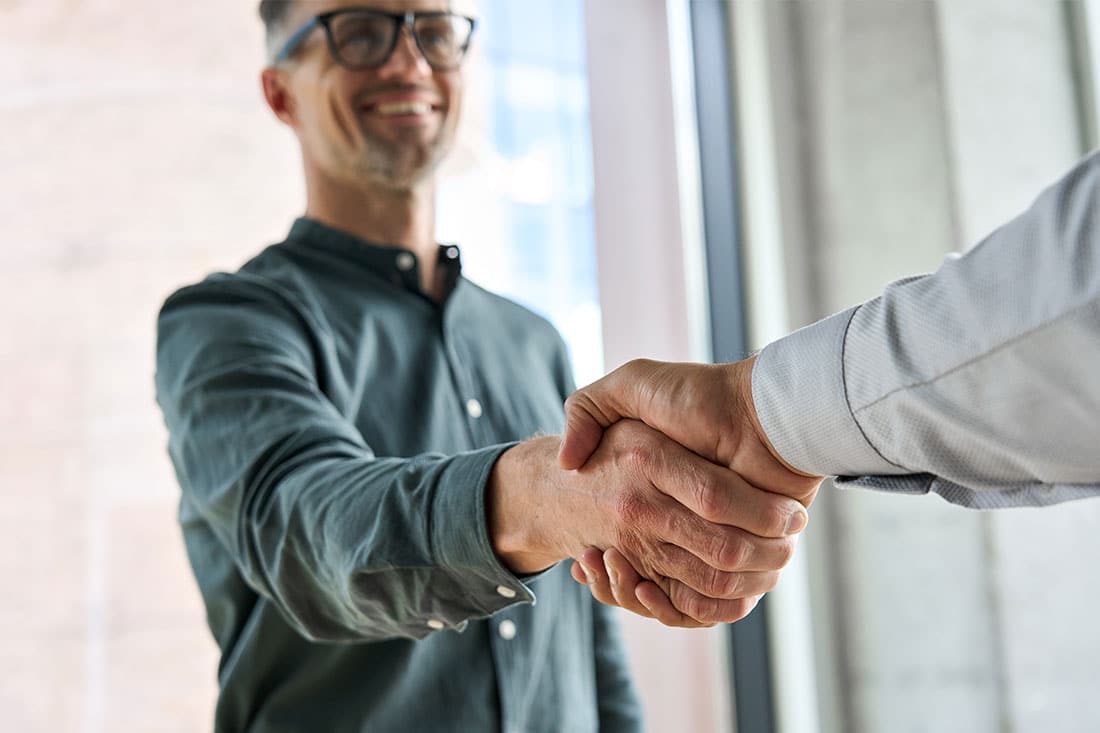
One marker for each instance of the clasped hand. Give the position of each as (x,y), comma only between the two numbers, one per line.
(739,488)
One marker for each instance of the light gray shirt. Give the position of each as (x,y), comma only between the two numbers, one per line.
(979,382)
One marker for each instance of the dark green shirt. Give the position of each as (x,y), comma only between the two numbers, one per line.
(333,430)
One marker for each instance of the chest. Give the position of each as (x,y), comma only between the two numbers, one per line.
(416,382)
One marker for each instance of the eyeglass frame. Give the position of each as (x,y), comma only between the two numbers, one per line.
(402,20)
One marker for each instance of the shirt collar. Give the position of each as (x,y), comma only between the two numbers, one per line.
(395,265)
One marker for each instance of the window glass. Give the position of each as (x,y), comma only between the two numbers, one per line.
(519,200)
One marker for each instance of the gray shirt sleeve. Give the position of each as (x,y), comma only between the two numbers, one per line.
(980,382)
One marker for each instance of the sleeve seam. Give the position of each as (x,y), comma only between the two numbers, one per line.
(847,398)
(971,361)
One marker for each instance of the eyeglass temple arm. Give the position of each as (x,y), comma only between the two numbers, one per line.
(295,40)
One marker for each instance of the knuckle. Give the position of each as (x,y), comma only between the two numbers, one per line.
(710,497)
(724,585)
(571,401)
(662,558)
(637,455)
(675,526)
(735,585)
(786,551)
(705,610)
(776,513)
(731,551)
(631,509)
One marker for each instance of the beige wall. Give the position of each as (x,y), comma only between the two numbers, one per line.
(134,156)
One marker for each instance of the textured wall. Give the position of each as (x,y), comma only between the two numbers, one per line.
(910,130)
(1016,127)
(135,155)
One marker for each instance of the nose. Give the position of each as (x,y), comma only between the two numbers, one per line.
(406,61)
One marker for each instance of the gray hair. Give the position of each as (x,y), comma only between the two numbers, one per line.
(274,14)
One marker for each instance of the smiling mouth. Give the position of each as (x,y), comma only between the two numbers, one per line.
(395,109)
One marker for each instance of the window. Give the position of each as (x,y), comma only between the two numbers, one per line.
(520,203)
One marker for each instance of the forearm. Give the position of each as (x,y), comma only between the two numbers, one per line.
(982,373)
(352,547)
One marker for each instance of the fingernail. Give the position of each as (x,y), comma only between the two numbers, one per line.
(797,522)
(613,575)
(588,576)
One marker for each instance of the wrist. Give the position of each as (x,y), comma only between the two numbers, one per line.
(519,515)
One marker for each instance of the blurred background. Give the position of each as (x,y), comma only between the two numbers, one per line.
(667,178)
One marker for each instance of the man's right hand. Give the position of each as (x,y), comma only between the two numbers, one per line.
(714,541)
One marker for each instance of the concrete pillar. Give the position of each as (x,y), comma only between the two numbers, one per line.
(906,131)
(1015,126)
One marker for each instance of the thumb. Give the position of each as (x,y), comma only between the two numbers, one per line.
(591,410)
(584,426)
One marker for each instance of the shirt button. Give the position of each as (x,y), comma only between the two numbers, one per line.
(507,630)
(452,253)
(405,261)
(506,591)
(473,408)
(435,624)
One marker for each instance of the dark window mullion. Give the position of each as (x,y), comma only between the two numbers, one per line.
(716,115)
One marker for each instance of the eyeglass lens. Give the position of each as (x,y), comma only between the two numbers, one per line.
(362,40)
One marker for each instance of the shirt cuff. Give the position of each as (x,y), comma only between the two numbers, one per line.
(801,402)
(460,533)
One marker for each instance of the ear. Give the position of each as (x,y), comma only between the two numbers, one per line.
(278,96)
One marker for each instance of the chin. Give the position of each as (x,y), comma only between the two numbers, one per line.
(403,172)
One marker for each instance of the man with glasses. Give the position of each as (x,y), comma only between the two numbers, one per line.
(344,413)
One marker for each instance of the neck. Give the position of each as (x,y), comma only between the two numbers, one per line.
(385,216)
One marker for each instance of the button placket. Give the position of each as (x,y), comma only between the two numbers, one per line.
(463,379)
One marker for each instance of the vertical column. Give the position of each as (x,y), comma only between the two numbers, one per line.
(904,580)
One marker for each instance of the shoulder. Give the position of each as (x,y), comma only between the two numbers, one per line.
(262,288)
(256,310)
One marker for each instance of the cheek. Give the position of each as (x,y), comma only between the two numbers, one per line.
(454,103)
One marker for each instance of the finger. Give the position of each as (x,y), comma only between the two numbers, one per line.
(713,583)
(720,496)
(721,547)
(599,584)
(680,604)
(591,409)
(577,573)
(660,606)
(624,579)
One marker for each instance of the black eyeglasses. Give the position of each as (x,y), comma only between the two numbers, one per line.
(361,39)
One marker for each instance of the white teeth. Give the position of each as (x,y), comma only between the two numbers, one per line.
(404,108)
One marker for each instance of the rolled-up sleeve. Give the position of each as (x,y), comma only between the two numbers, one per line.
(978,382)
(349,546)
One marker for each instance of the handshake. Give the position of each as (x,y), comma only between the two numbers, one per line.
(664,490)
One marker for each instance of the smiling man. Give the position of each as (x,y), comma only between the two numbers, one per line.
(346,412)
